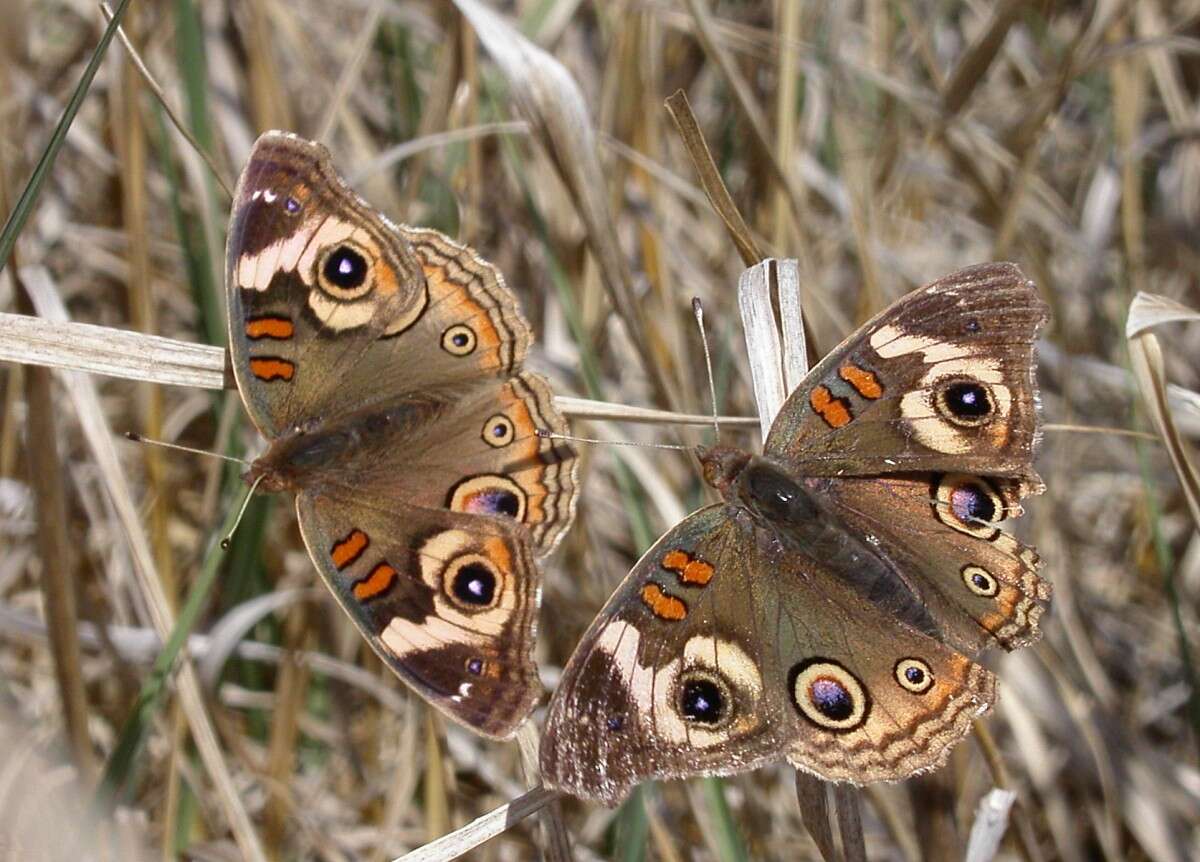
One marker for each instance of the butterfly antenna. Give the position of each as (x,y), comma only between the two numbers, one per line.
(698,310)
(228,538)
(546,434)
(138,438)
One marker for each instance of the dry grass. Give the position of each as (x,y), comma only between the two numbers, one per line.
(881,144)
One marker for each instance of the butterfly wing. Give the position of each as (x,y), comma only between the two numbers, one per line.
(943,380)
(942,532)
(477,455)
(448,600)
(725,649)
(384,362)
(333,308)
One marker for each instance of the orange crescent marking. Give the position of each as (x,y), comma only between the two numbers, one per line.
(865,382)
(349,549)
(663,605)
(675,560)
(697,572)
(270,327)
(270,368)
(379,581)
(496,551)
(833,410)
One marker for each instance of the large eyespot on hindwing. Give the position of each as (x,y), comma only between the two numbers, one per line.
(488,494)
(964,402)
(828,695)
(969,504)
(703,698)
(914,675)
(472,582)
(345,271)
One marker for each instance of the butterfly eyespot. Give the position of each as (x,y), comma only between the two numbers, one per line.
(980,581)
(704,699)
(459,340)
(475,666)
(966,403)
(498,431)
(972,326)
(914,675)
(471,582)
(828,695)
(969,504)
(291,205)
(488,494)
(615,723)
(344,272)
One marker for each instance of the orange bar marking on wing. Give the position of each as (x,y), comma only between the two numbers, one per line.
(675,560)
(697,572)
(833,410)
(865,382)
(270,368)
(379,581)
(270,327)
(663,605)
(349,549)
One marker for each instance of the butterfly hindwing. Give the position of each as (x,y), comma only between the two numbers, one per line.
(448,600)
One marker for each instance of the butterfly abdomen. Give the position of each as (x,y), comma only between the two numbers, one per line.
(301,458)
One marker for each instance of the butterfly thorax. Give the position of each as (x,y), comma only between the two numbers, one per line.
(307,457)
(757,483)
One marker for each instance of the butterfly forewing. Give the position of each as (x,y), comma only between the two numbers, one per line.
(943,380)
(333,308)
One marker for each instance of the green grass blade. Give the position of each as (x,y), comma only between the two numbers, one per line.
(119,769)
(19,215)
(730,846)
(193,73)
(632,827)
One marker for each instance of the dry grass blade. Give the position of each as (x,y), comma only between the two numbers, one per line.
(393,156)
(849,819)
(350,72)
(46,476)
(991,822)
(812,795)
(112,352)
(710,178)
(482,829)
(550,100)
(142,646)
(743,98)
(762,342)
(969,73)
(94,424)
(1145,312)
(161,95)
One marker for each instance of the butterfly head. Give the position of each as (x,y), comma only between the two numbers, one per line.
(722,466)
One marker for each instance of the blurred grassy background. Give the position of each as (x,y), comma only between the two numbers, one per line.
(883,143)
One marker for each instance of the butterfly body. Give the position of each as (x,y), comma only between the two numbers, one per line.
(829,609)
(383,363)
